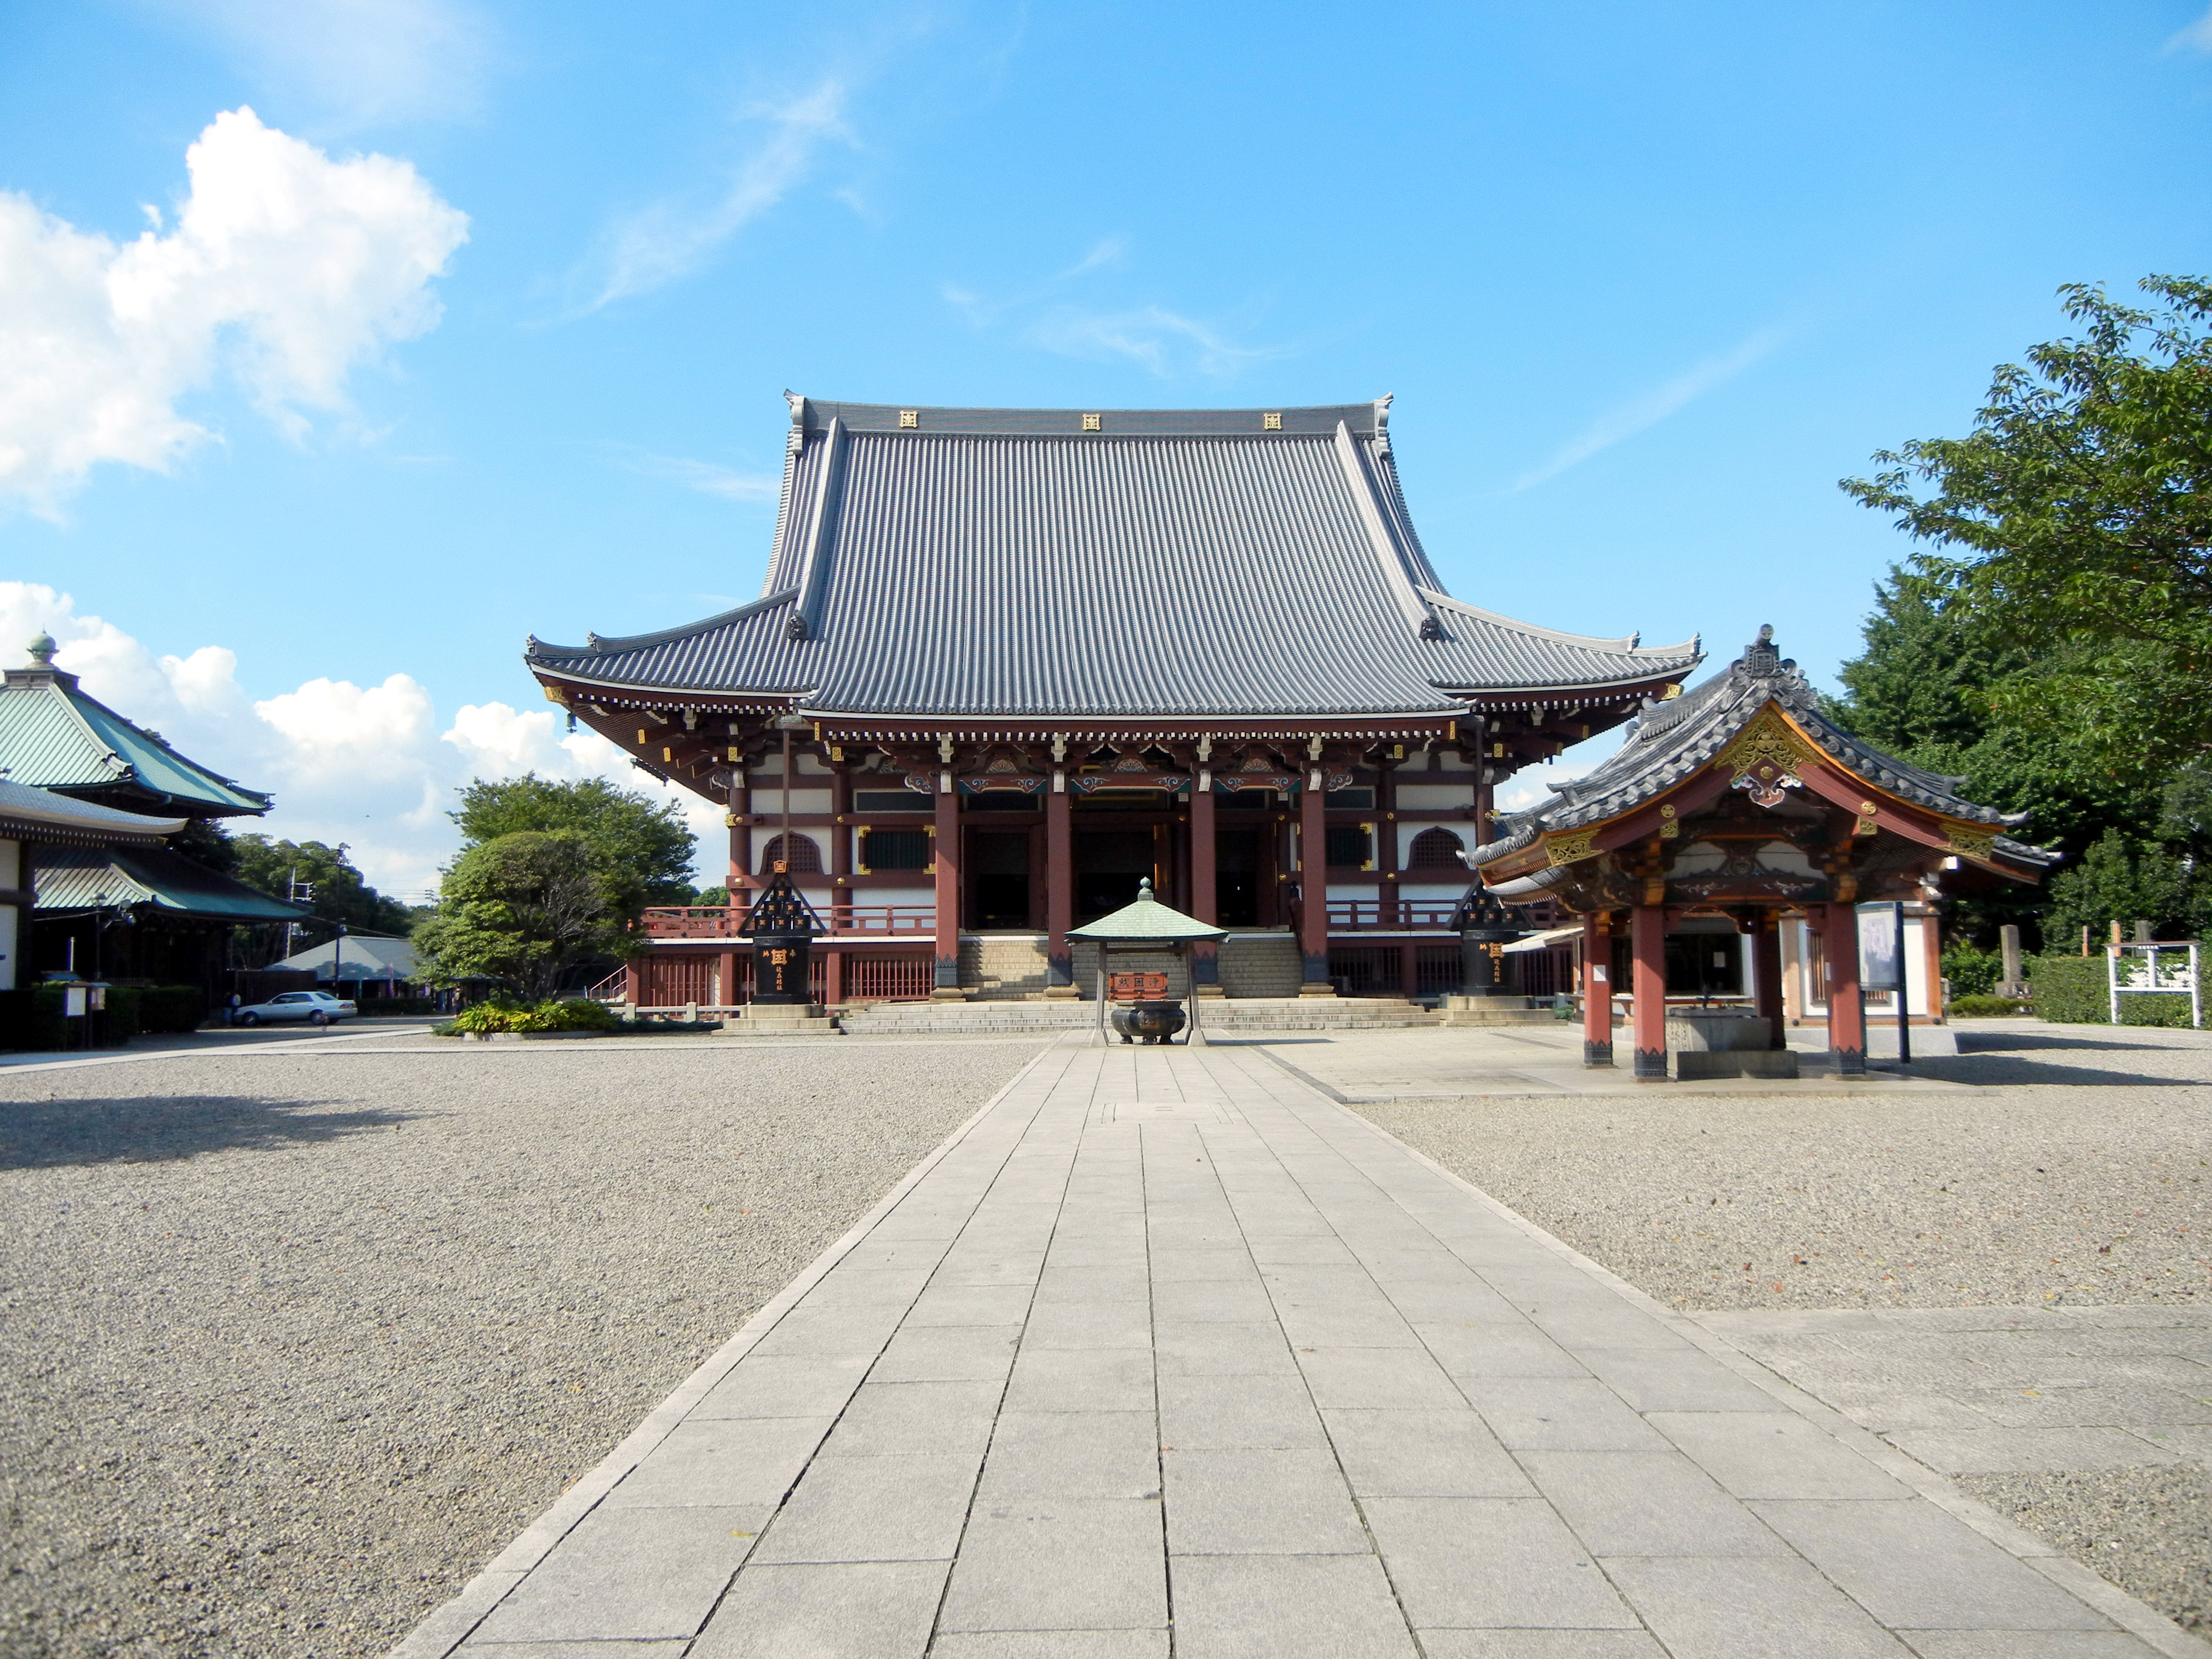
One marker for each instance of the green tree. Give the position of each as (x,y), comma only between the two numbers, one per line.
(2074,523)
(641,852)
(340,893)
(2125,879)
(206,843)
(520,910)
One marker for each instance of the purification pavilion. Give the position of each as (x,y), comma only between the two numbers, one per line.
(1043,656)
(1741,809)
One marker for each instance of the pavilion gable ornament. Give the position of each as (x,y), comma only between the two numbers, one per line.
(1766,756)
(1970,840)
(1570,850)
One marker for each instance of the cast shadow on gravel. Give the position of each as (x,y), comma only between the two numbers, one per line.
(1977,1042)
(46,1134)
(1997,1071)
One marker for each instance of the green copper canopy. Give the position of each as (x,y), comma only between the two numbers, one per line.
(1147,919)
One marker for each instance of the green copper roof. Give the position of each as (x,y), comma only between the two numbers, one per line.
(53,736)
(79,878)
(1146,919)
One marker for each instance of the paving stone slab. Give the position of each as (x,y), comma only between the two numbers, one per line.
(1166,1329)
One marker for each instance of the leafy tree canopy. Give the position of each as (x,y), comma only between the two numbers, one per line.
(520,910)
(2073,524)
(340,894)
(640,852)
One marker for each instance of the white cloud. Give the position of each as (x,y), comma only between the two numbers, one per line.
(285,268)
(671,239)
(1639,414)
(365,765)
(2198,37)
(1166,342)
(1163,341)
(357,63)
(705,477)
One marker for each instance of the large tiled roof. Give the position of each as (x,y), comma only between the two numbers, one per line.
(80,878)
(1669,742)
(1168,562)
(30,814)
(54,736)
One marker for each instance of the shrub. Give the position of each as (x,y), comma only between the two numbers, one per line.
(171,1008)
(2071,990)
(1973,973)
(1983,1007)
(575,1014)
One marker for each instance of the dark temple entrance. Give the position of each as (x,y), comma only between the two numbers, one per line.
(998,878)
(1109,865)
(1236,878)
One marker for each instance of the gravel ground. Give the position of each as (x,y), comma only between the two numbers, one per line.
(294,1342)
(2080,1172)
(2084,1173)
(2148,1530)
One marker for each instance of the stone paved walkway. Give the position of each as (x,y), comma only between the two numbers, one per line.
(1165,1354)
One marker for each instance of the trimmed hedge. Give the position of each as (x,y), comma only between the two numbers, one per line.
(1983,1007)
(169,1009)
(575,1014)
(2071,991)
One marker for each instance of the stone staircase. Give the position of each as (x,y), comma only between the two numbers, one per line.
(1002,967)
(1220,1017)
(1260,965)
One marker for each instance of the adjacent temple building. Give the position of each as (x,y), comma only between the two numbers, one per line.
(1036,657)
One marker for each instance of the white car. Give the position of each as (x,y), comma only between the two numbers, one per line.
(316,1007)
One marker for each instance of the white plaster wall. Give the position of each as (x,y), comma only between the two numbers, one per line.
(768,803)
(1434,796)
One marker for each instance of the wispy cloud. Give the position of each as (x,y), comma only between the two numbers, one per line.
(671,239)
(1163,341)
(2198,37)
(354,63)
(1641,414)
(705,476)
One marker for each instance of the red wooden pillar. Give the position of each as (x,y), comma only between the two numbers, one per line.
(1597,991)
(726,988)
(1312,886)
(1409,968)
(634,981)
(1204,890)
(1766,977)
(833,975)
(947,854)
(1846,1012)
(1059,889)
(1386,849)
(741,834)
(840,850)
(1648,940)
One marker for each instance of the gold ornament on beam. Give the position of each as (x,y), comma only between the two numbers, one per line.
(1570,850)
(1971,841)
(1670,827)
(1766,756)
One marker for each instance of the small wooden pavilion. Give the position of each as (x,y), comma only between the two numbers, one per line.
(1146,925)
(1739,804)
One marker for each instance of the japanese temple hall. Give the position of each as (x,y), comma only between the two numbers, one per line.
(1032,658)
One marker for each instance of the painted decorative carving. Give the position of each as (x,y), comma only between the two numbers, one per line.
(1766,756)
(1971,841)
(1570,850)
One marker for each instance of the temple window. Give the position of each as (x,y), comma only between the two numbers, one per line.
(805,858)
(1435,849)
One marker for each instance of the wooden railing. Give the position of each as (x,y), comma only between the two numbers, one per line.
(1362,916)
(718,921)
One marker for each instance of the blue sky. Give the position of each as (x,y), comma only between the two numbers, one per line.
(299,466)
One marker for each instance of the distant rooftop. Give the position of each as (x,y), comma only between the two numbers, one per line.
(55,736)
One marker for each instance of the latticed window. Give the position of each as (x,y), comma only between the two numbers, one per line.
(1350,846)
(895,849)
(1435,849)
(806,857)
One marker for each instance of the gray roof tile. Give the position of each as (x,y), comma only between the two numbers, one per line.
(1171,563)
